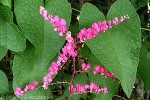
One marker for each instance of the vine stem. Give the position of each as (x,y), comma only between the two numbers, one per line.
(75,10)
(145,29)
(73,74)
(122,98)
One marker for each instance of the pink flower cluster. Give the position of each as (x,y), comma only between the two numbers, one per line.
(102,70)
(58,23)
(67,51)
(98,27)
(19,91)
(92,88)
(85,66)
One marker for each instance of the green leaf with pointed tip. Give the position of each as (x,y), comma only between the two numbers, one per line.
(119,47)
(6,2)
(144,66)
(102,81)
(38,31)
(3,52)
(10,36)
(4,88)
(32,63)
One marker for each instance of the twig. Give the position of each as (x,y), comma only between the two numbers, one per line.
(69,96)
(120,97)
(73,74)
(145,29)
(75,10)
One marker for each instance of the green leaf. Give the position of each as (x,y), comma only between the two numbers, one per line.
(10,36)
(144,66)
(6,2)
(102,81)
(25,71)
(25,68)
(4,88)
(63,97)
(86,19)
(3,52)
(75,97)
(80,78)
(38,31)
(85,51)
(119,47)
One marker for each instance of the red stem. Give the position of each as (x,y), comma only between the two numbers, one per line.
(74,71)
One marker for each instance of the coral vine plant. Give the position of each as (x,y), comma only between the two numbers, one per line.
(71,50)
(59,51)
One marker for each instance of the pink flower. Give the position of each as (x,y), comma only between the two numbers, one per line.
(82,34)
(102,70)
(81,88)
(53,69)
(35,83)
(97,27)
(18,91)
(109,74)
(62,58)
(85,66)
(45,86)
(96,69)
(89,34)
(72,89)
(115,21)
(47,78)
(105,90)
(58,23)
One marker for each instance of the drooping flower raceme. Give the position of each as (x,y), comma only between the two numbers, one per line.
(58,23)
(20,92)
(98,27)
(92,88)
(102,71)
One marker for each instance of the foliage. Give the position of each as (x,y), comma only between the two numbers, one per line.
(29,45)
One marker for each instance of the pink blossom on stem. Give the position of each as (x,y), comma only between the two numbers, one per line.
(18,91)
(53,69)
(85,66)
(92,88)
(96,69)
(109,74)
(58,23)
(98,27)
(102,71)
(105,90)
(72,89)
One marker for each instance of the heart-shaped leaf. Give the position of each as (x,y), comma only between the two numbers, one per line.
(119,47)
